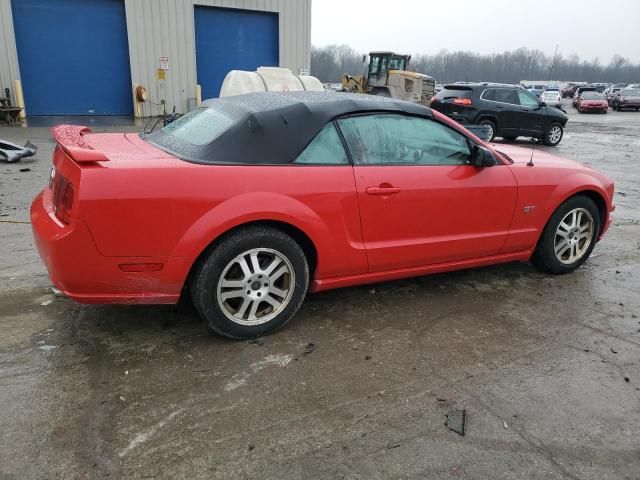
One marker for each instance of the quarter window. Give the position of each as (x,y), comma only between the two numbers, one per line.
(325,149)
(391,139)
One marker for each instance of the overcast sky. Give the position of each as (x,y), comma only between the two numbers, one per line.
(589,28)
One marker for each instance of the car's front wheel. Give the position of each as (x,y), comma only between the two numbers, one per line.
(569,237)
(553,135)
(251,283)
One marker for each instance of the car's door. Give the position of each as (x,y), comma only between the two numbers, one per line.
(507,108)
(532,115)
(421,202)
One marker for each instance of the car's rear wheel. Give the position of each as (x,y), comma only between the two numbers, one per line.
(569,237)
(251,283)
(619,108)
(553,135)
(491,125)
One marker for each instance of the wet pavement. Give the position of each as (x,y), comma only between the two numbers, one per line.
(357,386)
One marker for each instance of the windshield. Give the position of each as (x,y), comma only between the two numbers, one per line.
(631,93)
(592,96)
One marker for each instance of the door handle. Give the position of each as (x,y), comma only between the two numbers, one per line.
(382,190)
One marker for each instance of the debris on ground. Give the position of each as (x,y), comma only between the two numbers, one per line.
(504,424)
(46,302)
(456,420)
(10,152)
(626,379)
(309,348)
(46,348)
(256,341)
(392,445)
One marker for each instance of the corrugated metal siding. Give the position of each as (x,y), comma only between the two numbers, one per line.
(8,54)
(166,28)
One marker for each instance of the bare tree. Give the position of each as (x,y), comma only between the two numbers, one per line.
(330,62)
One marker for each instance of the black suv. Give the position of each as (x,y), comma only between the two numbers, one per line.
(508,110)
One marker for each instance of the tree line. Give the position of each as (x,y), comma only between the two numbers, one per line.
(330,62)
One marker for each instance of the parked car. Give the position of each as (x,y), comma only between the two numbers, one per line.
(537,90)
(552,98)
(248,202)
(593,102)
(568,90)
(579,92)
(509,111)
(611,93)
(626,99)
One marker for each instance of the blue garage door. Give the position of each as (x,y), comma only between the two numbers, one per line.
(229,39)
(73,56)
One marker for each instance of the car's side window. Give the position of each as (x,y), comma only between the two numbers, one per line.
(325,149)
(506,95)
(527,100)
(392,139)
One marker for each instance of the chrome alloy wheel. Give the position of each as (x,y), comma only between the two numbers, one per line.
(555,134)
(256,286)
(573,236)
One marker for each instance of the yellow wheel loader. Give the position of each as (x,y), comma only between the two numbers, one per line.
(387,76)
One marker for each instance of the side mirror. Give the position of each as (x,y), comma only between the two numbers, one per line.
(481,157)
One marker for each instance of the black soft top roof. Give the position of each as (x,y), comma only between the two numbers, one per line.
(274,127)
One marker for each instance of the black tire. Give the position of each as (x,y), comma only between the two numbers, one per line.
(489,123)
(548,139)
(619,108)
(544,257)
(205,282)
(510,139)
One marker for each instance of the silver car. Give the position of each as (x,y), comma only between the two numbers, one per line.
(552,98)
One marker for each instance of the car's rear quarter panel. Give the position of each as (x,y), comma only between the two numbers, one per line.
(176,209)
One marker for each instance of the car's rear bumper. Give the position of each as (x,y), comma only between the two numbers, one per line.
(78,269)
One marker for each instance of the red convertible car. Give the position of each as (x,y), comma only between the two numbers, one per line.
(247,202)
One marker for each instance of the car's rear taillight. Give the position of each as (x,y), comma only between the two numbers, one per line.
(462,101)
(62,196)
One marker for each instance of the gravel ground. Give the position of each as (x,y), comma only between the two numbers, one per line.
(358,386)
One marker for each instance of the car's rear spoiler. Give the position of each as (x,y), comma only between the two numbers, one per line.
(71,141)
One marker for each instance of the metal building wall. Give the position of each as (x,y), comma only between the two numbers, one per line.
(8,54)
(166,28)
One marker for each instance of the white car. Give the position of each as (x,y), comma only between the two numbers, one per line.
(552,98)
